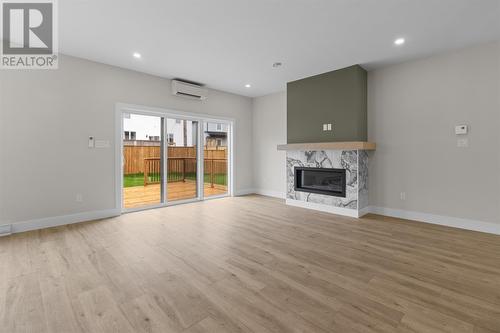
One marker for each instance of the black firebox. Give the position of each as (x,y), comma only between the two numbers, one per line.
(320,180)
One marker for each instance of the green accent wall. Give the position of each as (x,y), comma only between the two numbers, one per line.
(337,97)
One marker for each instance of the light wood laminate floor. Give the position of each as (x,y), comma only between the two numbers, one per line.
(249,264)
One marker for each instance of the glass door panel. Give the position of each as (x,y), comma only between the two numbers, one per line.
(142,160)
(215,162)
(182,159)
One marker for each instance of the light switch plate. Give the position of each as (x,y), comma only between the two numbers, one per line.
(329,127)
(325,127)
(102,144)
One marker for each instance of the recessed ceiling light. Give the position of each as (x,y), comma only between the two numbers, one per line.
(277,64)
(248,85)
(399,41)
(137,55)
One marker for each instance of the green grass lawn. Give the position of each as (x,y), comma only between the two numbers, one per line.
(137,179)
(219,178)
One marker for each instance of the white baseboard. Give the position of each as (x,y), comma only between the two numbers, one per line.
(454,222)
(268,193)
(323,208)
(364,211)
(244,192)
(448,221)
(63,220)
(5,229)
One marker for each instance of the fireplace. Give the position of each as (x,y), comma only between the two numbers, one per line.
(321,180)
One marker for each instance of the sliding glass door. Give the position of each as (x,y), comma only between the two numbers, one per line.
(182,159)
(216,152)
(170,158)
(142,142)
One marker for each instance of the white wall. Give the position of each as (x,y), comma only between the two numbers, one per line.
(46,117)
(269,130)
(412,110)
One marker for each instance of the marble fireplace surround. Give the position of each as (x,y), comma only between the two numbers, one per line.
(355,162)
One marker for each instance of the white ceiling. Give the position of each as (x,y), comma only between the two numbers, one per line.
(226,44)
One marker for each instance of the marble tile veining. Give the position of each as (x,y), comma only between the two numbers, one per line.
(353,161)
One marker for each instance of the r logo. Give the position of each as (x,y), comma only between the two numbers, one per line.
(27,28)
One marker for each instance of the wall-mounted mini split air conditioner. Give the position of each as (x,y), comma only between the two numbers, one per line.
(189,90)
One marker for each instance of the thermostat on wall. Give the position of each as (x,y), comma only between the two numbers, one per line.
(461,129)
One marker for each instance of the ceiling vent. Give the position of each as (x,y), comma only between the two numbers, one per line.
(189,90)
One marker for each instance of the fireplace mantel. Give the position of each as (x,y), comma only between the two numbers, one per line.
(350,145)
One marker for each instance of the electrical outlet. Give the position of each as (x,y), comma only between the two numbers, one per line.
(79,198)
(402,196)
(463,143)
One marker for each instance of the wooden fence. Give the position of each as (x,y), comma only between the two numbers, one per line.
(181,164)
(134,156)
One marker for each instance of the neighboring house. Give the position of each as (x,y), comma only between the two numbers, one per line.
(215,134)
(175,132)
(130,135)
(147,128)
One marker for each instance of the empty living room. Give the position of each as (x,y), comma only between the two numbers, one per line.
(258,166)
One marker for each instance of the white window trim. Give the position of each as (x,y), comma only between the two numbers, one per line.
(124,108)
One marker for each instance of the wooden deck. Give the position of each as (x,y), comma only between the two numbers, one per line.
(139,196)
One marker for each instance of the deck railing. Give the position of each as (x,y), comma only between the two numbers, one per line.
(152,167)
(134,155)
(215,167)
(182,168)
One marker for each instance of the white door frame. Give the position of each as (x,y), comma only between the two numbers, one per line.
(121,108)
